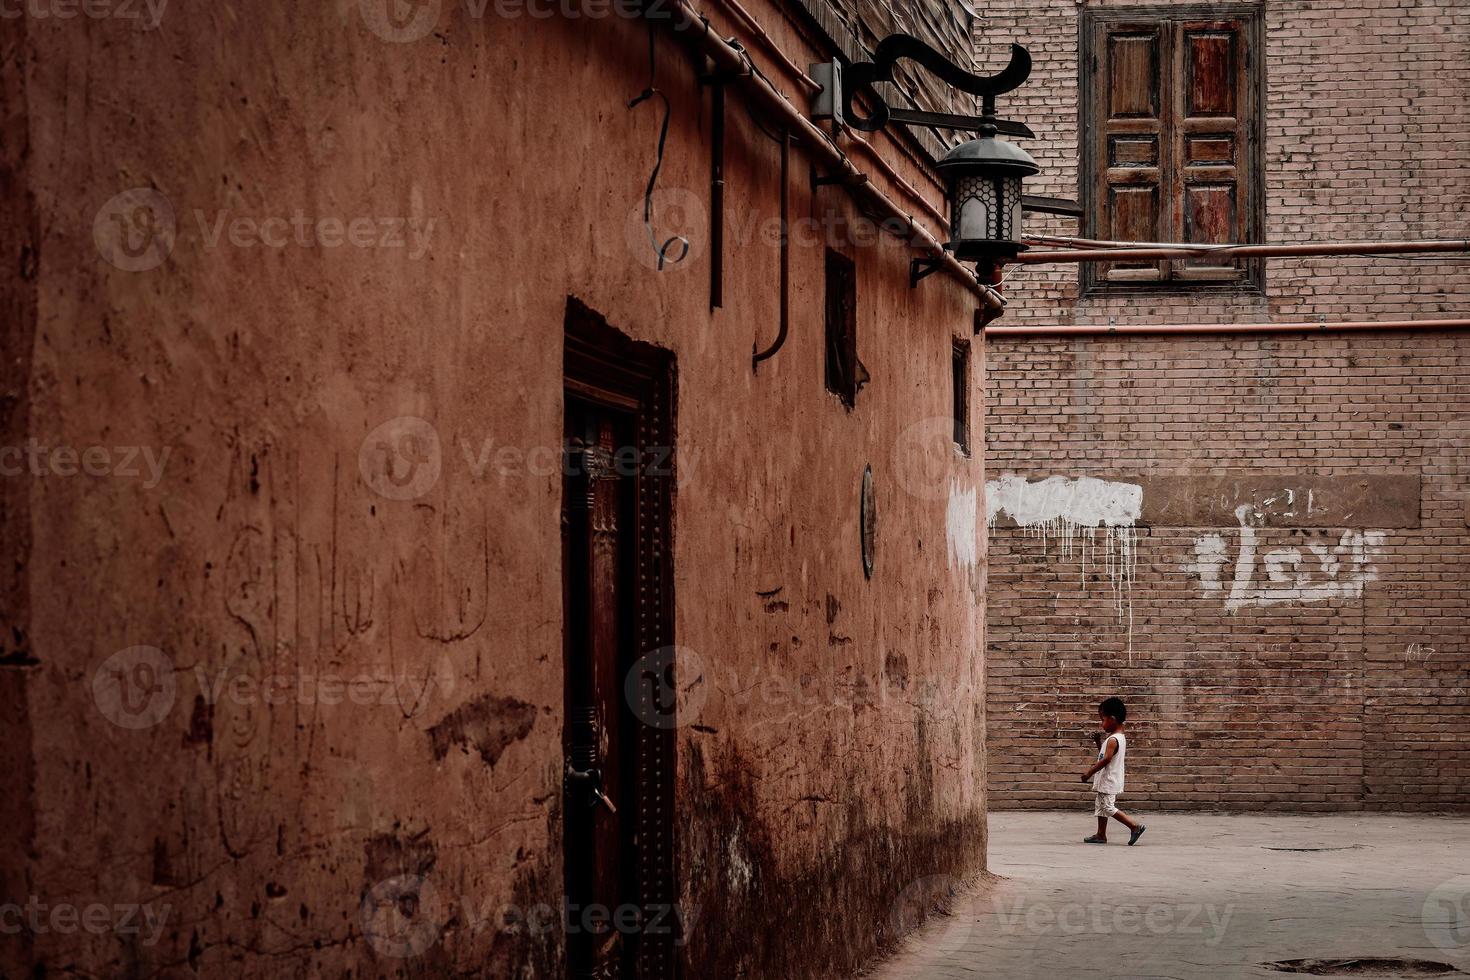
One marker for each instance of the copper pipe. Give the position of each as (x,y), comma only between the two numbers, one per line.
(1105,330)
(687,25)
(897,178)
(1240,251)
(754,27)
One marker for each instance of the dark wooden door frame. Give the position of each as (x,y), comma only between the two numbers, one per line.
(606,368)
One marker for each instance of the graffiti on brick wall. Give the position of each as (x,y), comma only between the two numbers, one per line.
(1319,572)
(1071,513)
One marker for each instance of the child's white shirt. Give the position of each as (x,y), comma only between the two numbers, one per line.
(1109,779)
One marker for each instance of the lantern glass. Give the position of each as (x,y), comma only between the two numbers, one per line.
(1011,209)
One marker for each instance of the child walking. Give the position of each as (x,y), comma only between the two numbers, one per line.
(1107,773)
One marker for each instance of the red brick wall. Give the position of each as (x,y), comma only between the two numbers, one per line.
(1293,699)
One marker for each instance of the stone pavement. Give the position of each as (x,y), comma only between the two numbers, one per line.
(1203,895)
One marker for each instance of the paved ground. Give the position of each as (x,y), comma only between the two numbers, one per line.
(1203,896)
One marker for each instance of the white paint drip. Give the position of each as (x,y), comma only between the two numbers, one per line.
(961,527)
(1059,507)
(1341,572)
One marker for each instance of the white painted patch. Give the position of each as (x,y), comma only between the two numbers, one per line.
(962,527)
(1289,576)
(1081,502)
(1060,507)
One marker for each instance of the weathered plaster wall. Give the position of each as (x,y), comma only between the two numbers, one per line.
(228,776)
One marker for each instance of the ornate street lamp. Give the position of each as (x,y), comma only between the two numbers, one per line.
(983,176)
(985,201)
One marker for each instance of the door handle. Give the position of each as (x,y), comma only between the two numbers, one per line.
(592,779)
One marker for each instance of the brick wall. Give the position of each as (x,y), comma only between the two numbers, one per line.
(1281,657)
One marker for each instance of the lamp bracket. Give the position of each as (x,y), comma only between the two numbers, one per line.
(861,76)
(919,269)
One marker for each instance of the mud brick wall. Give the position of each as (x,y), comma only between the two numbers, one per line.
(300,693)
(1355,698)
(1286,616)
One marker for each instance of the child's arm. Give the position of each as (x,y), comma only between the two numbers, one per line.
(1108,754)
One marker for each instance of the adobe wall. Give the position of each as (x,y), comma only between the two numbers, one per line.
(248,543)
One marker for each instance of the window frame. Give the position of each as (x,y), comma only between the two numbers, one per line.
(1252,167)
(960,374)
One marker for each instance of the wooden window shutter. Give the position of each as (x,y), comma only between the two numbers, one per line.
(1170,142)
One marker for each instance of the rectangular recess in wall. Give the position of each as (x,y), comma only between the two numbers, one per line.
(960,393)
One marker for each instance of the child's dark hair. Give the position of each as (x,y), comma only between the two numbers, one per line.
(1114,708)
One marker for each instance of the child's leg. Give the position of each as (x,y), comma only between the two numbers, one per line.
(1102,827)
(1123,819)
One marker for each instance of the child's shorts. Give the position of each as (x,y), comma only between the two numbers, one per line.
(1105,804)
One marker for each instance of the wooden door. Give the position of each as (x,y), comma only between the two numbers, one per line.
(617,518)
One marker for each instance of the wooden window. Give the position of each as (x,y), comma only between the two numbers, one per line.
(842,359)
(1171,138)
(960,394)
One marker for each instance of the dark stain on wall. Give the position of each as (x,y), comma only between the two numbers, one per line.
(488,725)
(843,913)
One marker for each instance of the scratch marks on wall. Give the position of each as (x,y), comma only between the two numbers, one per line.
(1072,510)
(1317,573)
